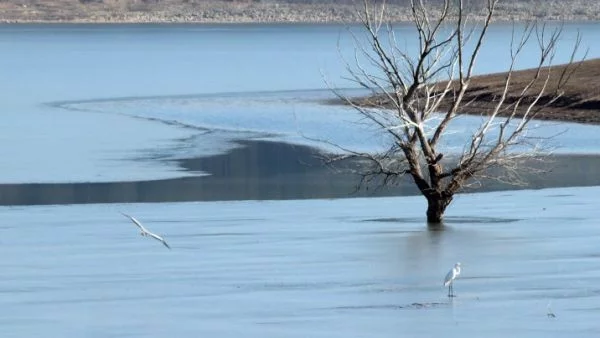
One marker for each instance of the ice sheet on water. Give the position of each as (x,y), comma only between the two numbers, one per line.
(307,268)
(302,117)
(47,146)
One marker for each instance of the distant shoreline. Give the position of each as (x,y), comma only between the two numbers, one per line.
(221,12)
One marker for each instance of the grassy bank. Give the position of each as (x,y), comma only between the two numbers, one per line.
(579,102)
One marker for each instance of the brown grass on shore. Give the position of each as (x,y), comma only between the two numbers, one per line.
(579,102)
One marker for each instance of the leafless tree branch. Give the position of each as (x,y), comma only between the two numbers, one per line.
(416,96)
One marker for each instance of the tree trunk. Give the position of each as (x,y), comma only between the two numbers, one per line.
(436,206)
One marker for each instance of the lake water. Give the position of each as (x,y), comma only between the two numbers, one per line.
(272,69)
(305,268)
(104,114)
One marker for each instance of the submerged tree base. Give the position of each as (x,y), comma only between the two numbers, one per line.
(418,94)
(436,207)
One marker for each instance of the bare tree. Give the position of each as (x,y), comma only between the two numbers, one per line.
(415,96)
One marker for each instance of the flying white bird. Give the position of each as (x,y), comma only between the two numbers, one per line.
(450,277)
(144,232)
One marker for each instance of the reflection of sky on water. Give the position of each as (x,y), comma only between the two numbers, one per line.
(48,63)
(311,268)
(53,145)
(301,118)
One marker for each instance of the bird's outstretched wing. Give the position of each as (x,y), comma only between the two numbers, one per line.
(145,231)
(135,221)
(158,238)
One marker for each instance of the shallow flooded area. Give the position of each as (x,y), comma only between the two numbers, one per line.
(319,268)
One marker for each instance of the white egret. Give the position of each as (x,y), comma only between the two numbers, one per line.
(450,277)
(144,232)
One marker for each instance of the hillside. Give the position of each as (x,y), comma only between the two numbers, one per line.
(579,101)
(222,11)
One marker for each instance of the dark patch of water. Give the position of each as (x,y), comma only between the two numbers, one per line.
(478,220)
(263,170)
(447,220)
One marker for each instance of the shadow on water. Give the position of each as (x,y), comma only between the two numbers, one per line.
(436,227)
(447,221)
(264,170)
(259,170)
(434,249)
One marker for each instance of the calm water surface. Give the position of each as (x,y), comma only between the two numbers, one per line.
(311,268)
(44,64)
(86,108)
